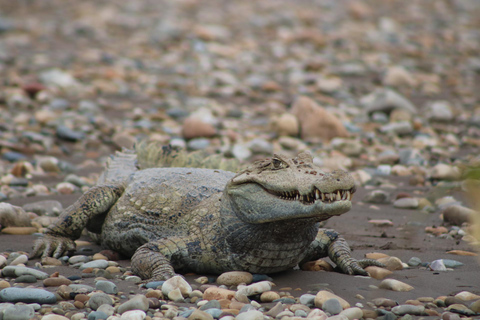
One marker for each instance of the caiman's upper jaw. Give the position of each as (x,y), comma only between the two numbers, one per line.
(315,195)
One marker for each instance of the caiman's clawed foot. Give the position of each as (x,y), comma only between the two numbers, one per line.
(52,246)
(356,267)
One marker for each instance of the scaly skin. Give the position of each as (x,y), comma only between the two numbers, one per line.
(264,219)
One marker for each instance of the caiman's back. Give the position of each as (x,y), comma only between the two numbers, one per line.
(160,202)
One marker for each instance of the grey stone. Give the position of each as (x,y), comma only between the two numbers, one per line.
(406,203)
(307,299)
(377,196)
(260,146)
(106,286)
(26,278)
(97,315)
(400,127)
(18,312)
(81,288)
(17,271)
(98,299)
(27,295)
(437,265)
(78,259)
(211,304)
(215,312)
(100,264)
(439,111)
(332,306)
(408,309)
(250,315)
(198,144)
(139,302)
(45,207)
(67,134)
(449,263)
(386,100)
(414,262)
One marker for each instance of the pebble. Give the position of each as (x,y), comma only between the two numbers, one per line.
(386,100)
(100,264)
(28,295)
(99,298)
(44,207)
(414,262)
(269,296)
(26,279)
(176,282)
(406,203)
(196,128)
(332,306)
(457,215)
(352,313)
(18,312)
(377,272)
(56,282)
(255,288)
(439,111)
(317,122)
(97,315)
(138,302)
(377,196)
(215,293)
(250,315)
(408,309)
(318,265)
(323,296)
(437,265)
(392,263)
(17,271)
(106,286)
(395,285)
(134,315)
(198,144)
(234,278)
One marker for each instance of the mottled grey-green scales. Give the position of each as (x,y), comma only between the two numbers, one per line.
(179,217)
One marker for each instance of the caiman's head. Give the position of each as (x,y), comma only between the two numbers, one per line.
(282,189)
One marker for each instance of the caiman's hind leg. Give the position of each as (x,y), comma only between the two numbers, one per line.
(329,243)
(156,260)
(59,236)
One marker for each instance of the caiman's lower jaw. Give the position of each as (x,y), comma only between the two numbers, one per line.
(314,196)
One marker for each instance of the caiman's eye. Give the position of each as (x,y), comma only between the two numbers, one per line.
(278,164)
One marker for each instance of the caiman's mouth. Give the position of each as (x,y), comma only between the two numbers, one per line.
(314,196)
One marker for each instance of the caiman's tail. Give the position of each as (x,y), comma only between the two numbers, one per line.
(155,155)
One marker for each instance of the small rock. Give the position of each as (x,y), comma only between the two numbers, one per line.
(452,263)
(467,296)
(44,207)
(269,296)
(260,146)
(67,134)
(414,262)
(65,188)
(139,302)
(399,128)
(234,278)
(200,315)
(123,140)
(285,125)
(56,282)
(408,309)
(436,230)
(215,293)
(437,265)
(384,302)
(17,271)
(174,283)
(392,263)
(450,316)
(241,152)
(196,128)
(352,313)
(106,286)
(332,306)
(377,272)
(100,264)
(21,259)
(27,295)
(317,122)
(324,295)
(395,285)
(250,315)
(198,144)
(381,222)
(18,312)
(443,171)
(255,288)
(307,299)
(134,315)
(406,203)
(439,111)
(26,279)
(457,215)
(398,76)
(318,265)
(176,295)
(99,298)
(377,196)
(13,216)
(386,100)
(376,255)
(455,252)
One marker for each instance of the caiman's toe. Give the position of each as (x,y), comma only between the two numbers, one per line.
(52,246)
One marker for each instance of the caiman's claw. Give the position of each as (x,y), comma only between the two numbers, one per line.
(52,246)
(356,267)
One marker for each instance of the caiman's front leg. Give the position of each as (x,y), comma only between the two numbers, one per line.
(329,243)
(59,236)
(155,260)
